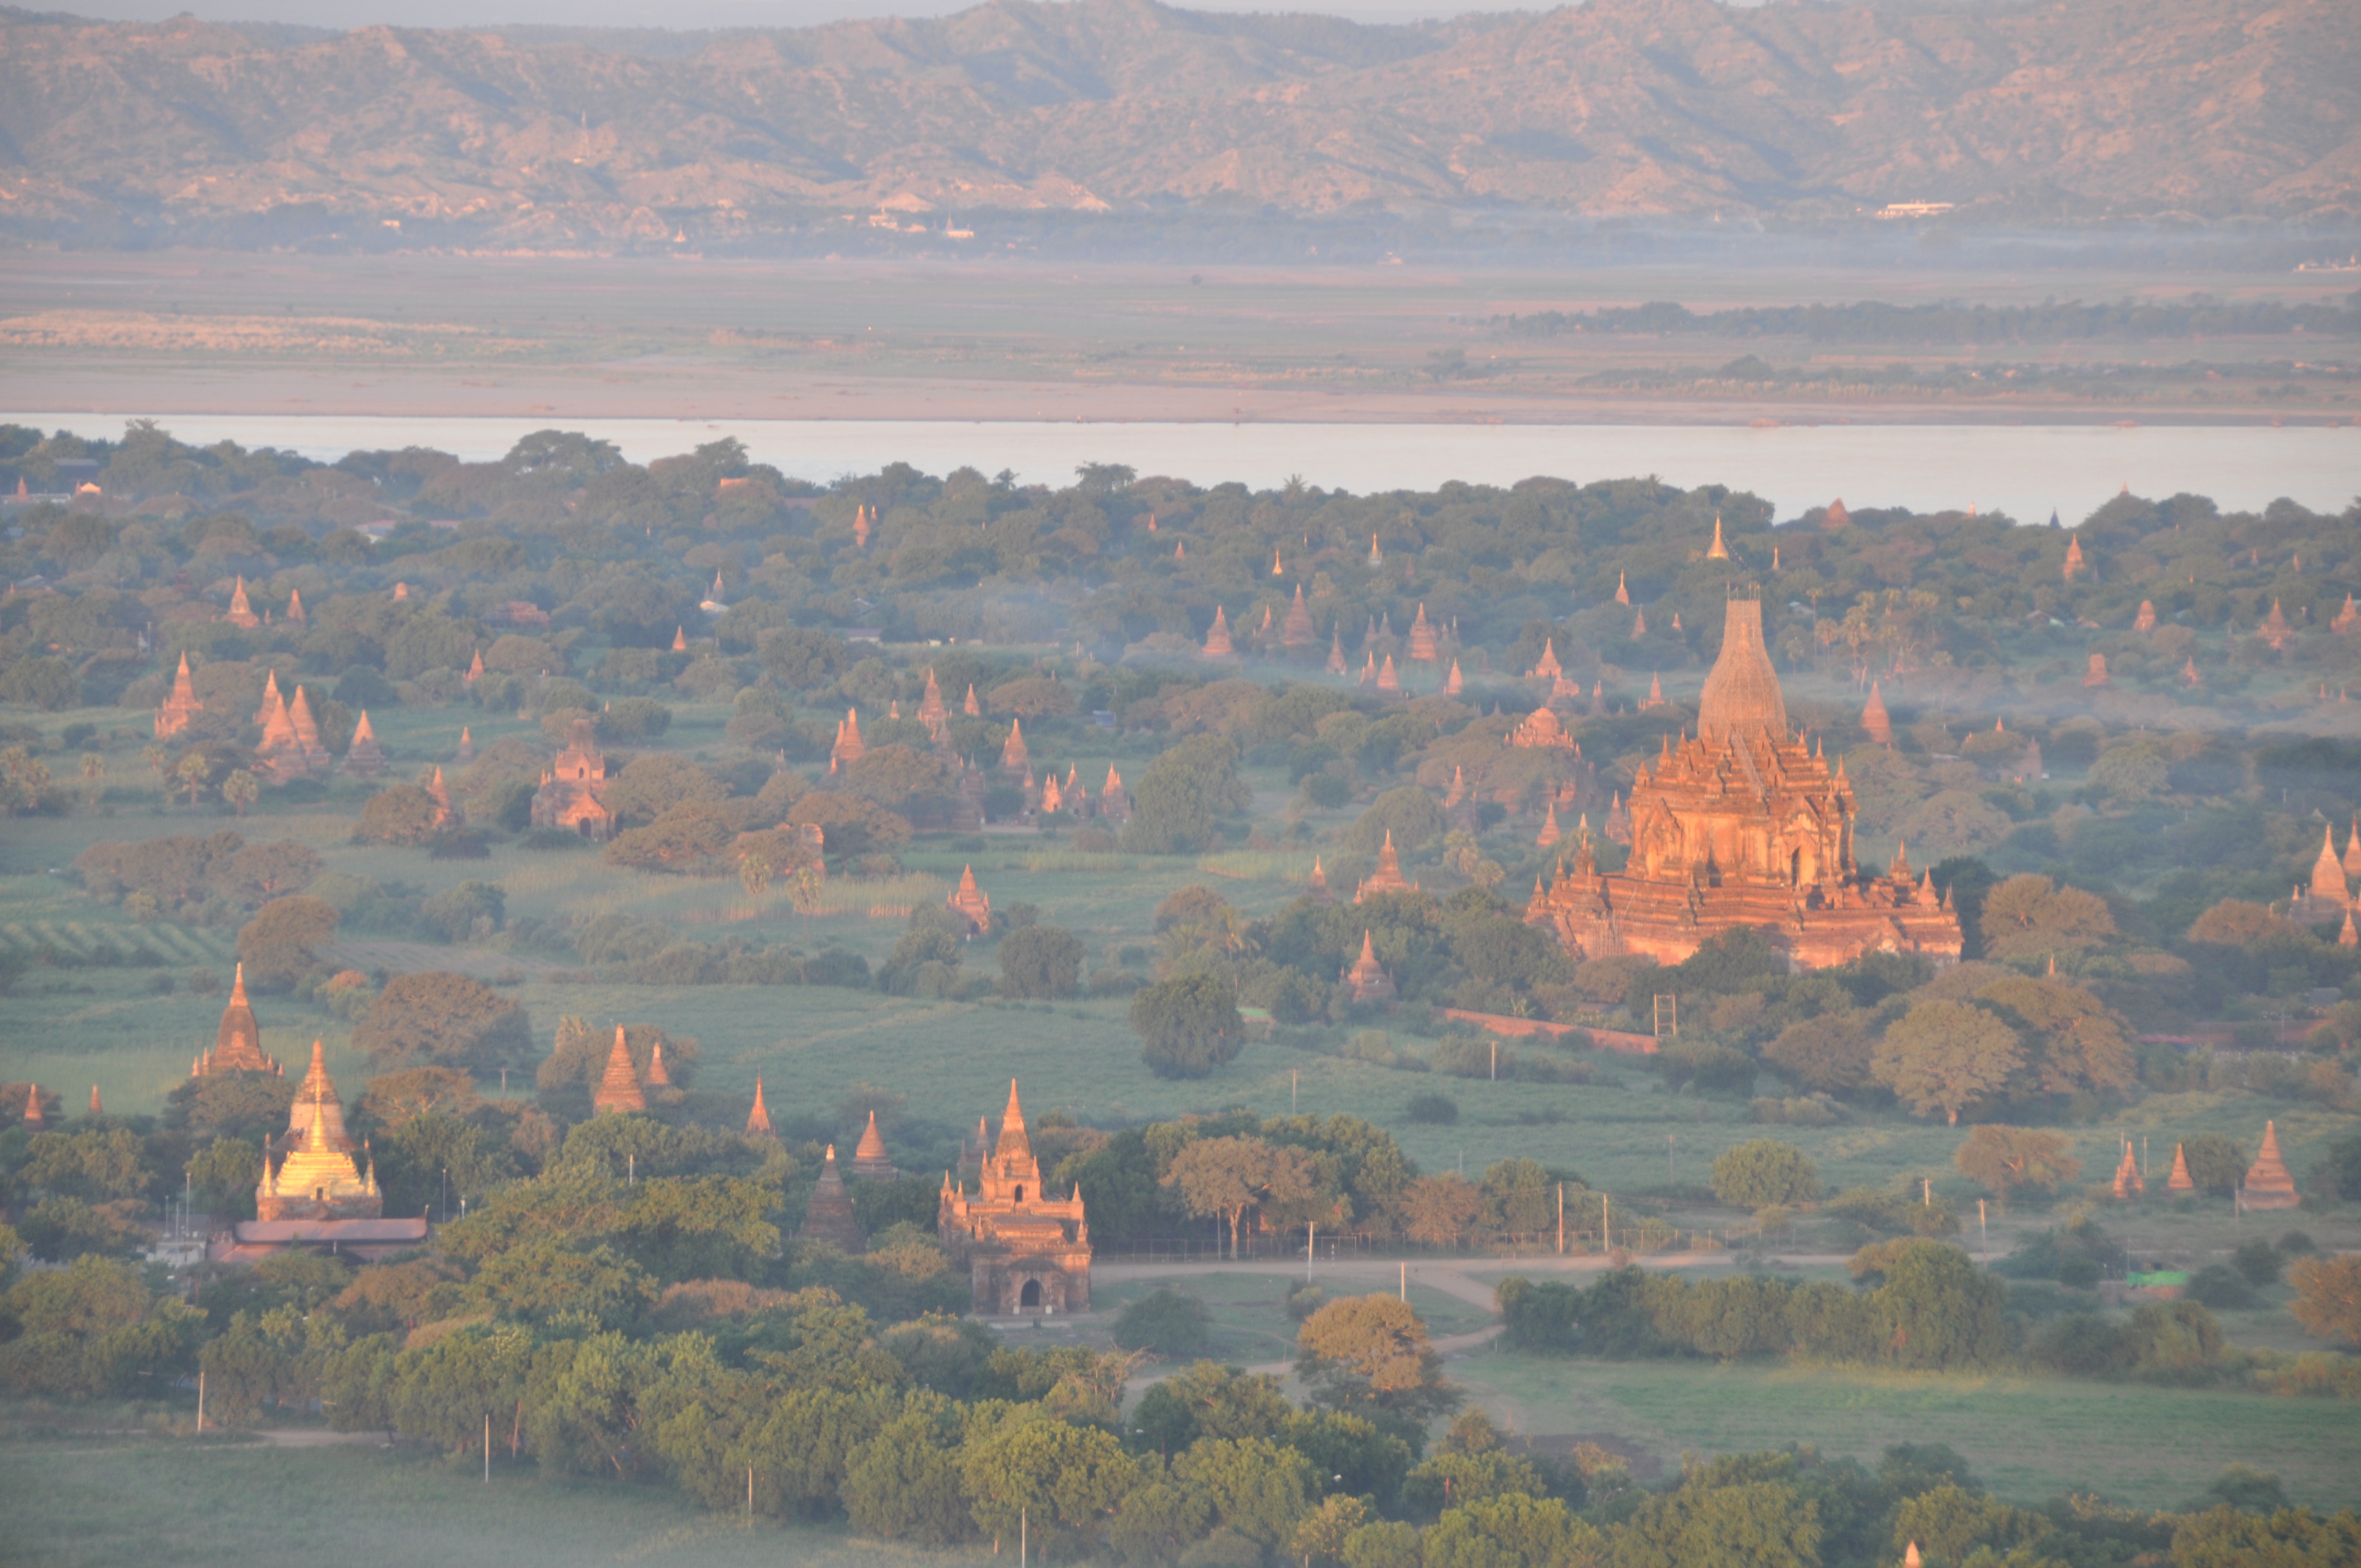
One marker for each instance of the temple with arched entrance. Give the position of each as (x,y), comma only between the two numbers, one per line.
(1025,1251)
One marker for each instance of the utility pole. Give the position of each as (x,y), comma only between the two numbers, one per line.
(487,1448)
(1560,1219)
(1672,1171)
(1292,1075)
(1495,1059)
(1982,1232)
(1311,1248)
(1405,1295)
(1024,1533)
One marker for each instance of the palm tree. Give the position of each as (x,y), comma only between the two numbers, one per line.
(240,790)
(193,771)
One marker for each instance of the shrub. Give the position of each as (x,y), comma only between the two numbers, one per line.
(1188,1026)
(2218,1286)
(2260,1261)
(445,1019)
(1166,1322)
(1432,1109)
(1764,1171)
(2078,1273)
(1040,961)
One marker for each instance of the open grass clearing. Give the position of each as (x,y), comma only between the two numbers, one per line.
(95,1505)
(2028,1438)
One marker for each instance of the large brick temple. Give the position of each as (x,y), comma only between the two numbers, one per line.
(1743,824)
(1025,1251)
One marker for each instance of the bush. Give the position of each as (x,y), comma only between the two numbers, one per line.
(2260,1261)
(2218,1286)
(1762,1172)
(1326,790)
(1166,1322)
(634,718)
(1188,1026)
(1432,1109)
(1040,961)
(2078,1273)
(447,1020)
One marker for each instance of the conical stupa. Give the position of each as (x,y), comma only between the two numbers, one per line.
(618,1090)
(2268,1183)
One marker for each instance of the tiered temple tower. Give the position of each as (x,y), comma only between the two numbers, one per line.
(180,709)
(1744,826)
(238,1043)
(571,792)
(318,1181)
(1025,1253)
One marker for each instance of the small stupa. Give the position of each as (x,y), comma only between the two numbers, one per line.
(180,709)
(1217,640)
(1388,877)
(1875,722)
(363,759)
(1452,685)
(1387,680)
(1318,888)
(618,1090)
(971,901)
(1422,639)
(831,1219)
(1368,978)
(2097,673)
(2145,620)
(758,1119)
(869,1161)
(1299,630)
(2268,1183)
(1336,665)
(2179,1181)
(1547,667)
(1548,834)
(1016,757)
(2127,1176)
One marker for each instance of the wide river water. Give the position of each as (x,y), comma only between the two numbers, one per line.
(2025,471)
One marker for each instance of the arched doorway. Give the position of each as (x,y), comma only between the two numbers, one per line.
(1019,1193)
(1031,1294)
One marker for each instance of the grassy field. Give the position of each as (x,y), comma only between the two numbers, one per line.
(2026,1438)
(261,1506)
(108,1026)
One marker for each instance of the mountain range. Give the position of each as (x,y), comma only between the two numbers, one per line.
(2192,112)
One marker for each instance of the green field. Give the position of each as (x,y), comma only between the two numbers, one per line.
(2026,1438)
(257,1505)
(76,1026)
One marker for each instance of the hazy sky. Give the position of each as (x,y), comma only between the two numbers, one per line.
(683,14)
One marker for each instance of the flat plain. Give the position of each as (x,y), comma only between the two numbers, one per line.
(999,338)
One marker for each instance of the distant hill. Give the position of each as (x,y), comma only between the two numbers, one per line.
(2187,111)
